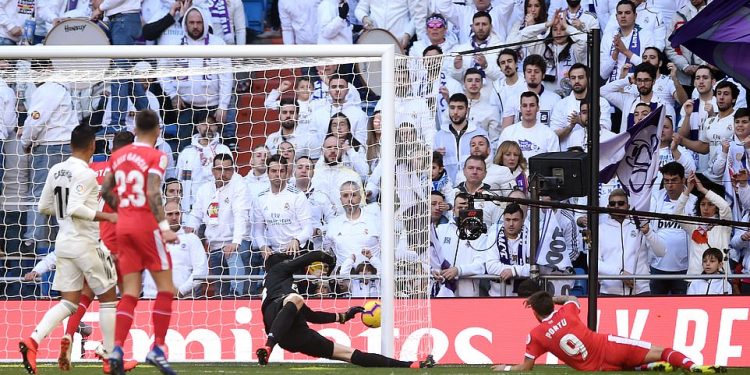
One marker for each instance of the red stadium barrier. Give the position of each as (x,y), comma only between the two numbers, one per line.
(708,329)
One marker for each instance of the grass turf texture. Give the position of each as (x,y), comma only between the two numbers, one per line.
(302,368)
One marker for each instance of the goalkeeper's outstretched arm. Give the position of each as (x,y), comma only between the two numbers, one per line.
(307,259)
(321,317)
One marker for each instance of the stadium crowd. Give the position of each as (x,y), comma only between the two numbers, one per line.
(314,183)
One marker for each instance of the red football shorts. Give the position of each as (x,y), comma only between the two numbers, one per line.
(622,353)
(143,250)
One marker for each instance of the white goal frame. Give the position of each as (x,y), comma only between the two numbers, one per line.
(387,56)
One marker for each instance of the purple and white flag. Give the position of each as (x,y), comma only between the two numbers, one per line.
(636,167)
(720,35)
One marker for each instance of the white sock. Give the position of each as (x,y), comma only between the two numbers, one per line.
(107,314)
(52,318)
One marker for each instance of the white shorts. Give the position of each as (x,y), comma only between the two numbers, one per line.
(96,267)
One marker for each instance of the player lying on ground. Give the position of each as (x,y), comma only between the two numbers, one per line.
(563,334)
(70,193)
(285,317)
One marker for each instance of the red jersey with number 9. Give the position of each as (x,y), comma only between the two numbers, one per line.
(131,166)
(569,339)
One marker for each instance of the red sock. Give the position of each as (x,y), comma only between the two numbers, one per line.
(676,359)
(75,319)
(124,320)
(161,315)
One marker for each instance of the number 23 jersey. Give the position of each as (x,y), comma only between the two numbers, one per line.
(131,166)
(568,338)
(71,187)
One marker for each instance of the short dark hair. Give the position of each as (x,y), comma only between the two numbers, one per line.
(472,70)
(336,76)
(646,68)
(528,287)
(277,158)
(168,181)
(476,158)
(529,94)
(459,97)
(641,104)
(289,101)
(541,302)
(508,51)
(222,157)
(626,2)
(146,120)
(711,72)
(437,158)
(742,112)
(673,169)
(713,252)
(82,137)
(437,193)
(536,60)
(122,139)
(513,208)
(432,47)
(581,66)
(480,136)
(461,195)
(481,13)
(731,86)
(303,78)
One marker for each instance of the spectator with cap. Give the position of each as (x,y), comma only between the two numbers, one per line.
(437,28)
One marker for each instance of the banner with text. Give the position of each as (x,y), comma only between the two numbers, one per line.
(475,331)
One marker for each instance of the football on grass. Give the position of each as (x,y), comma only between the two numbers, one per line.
(371,315)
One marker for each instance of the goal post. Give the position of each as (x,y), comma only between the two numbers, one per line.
(400,300)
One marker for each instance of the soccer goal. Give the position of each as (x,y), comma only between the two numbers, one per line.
(231,98)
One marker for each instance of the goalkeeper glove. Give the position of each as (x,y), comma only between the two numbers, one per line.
(350,314)
(344,10)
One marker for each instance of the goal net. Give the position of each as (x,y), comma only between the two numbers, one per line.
(350,120)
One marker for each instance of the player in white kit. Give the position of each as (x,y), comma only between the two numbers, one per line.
(71,195)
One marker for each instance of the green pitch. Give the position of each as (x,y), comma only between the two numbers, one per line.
(295,369)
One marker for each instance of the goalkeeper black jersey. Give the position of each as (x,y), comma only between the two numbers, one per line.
(279,280)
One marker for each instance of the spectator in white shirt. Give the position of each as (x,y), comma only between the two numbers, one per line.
(51,12)
(481,37)
(221,206)
(257,179)
(534,13)
(534,69)
(666,87)
(484,108)
(687,62)
(354,236)
(507,86)
(333,26)
(292,130)
(452,140)
(713,264)
(13,15)
(321,208)
(718,126)
(302,94)
(436,36)
(568,107)
(227,19)
(354,153)
(650,21)
(461,16)
(624,43)
(8,114)
(402,18)
(281,219)
(46,135)
(332,173)
(299,21)
(321,89)
(615,92)
(195,161)
(577,15)
(189,260)
(197,94)
(532,136)
(321,117)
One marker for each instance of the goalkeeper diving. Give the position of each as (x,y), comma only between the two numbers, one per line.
(285,317)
